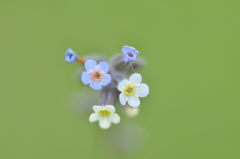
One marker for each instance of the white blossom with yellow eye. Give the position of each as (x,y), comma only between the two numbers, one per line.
(131,90)
(105,115)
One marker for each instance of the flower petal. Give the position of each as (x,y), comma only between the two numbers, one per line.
(110,108)
(90,65)
(122,99)
(97,108)
(85,78)
(125,58)
(106,79)
(96,85)
(122,85)
(115,118)
(103,66)
(142,90)
(135,78)
(93,117)
(104,123)
(126,49)
(133,101)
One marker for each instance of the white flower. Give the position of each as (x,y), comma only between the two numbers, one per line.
(132,89)
(105,115)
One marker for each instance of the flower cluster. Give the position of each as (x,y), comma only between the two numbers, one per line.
(116,81)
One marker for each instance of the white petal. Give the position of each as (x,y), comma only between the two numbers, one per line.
(142,90)
(104,123)
(135,78)
(97,108)
(122,85)
(110,108)
(93,117)
(133,101)
(115,118)
(122,98)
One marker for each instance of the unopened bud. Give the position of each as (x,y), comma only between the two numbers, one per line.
(131,112)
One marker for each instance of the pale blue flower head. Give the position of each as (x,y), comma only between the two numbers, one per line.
(70,56)
(130,53)
(96,75)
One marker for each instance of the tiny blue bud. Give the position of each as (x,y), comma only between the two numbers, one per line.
(70,56)
(129,53)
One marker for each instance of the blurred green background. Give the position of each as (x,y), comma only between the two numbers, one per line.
(192,49)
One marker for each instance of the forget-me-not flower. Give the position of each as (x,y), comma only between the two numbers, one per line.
(130,53)
(105,115)
(96,75)
(70,56)
(132,89)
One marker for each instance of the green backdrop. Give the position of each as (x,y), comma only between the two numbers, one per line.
(192,50)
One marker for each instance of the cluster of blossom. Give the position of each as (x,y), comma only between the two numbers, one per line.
(116,81)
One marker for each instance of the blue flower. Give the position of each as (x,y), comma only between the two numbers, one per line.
(70,56)
(130,53)
(96,75)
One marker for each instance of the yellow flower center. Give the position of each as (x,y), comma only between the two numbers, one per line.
(104,112)
(129,90)
(96,75)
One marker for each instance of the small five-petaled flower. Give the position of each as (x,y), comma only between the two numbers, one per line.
(132,89)
(129,53)
(105,115)
(96,75)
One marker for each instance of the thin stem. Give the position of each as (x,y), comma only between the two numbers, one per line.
(81,60)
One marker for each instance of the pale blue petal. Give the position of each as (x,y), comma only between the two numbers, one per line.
(135,52)
(95,85)
(106,79)
(103,66)
(125,59)
(126,49)
(90,65)
(85,77)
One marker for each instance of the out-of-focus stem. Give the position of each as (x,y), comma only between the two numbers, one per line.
(108,95)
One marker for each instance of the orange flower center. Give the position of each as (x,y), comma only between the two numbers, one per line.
(96,75)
